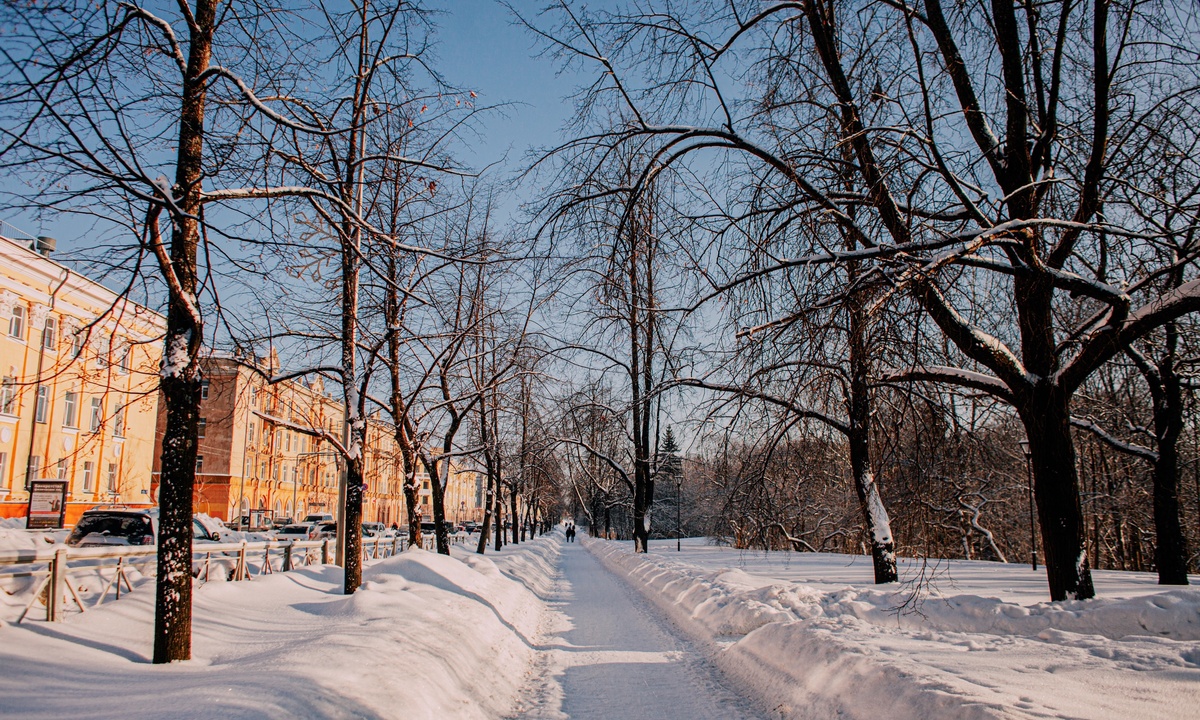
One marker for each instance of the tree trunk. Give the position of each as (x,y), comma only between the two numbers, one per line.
(515,515)
(353,518)
(441,537)
(486,525)
(1046,414)
(181,373)
(412,504)
(1170,548)
(879,530)
(498,512)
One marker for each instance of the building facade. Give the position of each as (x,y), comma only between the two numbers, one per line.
(79,385)
(260,456)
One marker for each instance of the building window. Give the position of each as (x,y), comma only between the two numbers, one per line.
(119,419)
(3,464)
(103,350)
(253,437)
(276,473)
(287,441)
(249,467)
(34,468)
(201,427)
(42,406)
(16,322)
(203,389)
(62,469)
(253,397)
(294,471)
(112,477)
(97,418)
(199,464)
(8,396)
(89,475)
(77,344)
(71,410)
(50,334)
(123,361)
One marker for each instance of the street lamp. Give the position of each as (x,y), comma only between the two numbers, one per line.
(1029,481)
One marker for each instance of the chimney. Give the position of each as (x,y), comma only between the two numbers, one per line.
(45,245)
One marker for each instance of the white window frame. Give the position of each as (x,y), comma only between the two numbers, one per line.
(8,396)
(17,320)
(71,409)
(50,333)
(96,420)
(41,405)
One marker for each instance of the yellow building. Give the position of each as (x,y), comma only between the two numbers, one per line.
(253,456)
(258,458)
(78,393)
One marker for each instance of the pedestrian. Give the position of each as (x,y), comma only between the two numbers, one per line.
(570,532)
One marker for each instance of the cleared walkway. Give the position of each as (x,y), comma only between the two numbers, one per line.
(608,655)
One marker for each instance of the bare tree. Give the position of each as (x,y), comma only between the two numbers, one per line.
(941,202)
(64,67)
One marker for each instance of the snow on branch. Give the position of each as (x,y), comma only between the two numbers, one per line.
(1114,442)
(951,376)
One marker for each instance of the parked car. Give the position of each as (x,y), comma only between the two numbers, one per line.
(471,527)
(103,526)
(281,522)
(374,529)
(295,531)
(322,530)
(318,517)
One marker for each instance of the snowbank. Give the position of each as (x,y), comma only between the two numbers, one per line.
(857,652)
(427,636)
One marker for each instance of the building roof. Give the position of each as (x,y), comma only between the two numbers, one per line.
(72,293)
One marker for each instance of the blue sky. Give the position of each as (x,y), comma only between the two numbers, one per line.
(483,50)
(480,48)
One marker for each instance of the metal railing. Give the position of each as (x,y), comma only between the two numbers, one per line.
(240,561)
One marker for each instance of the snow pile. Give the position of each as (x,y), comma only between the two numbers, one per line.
(426,636)
(816,651)
(14,536)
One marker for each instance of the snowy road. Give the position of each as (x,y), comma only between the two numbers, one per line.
(606,654)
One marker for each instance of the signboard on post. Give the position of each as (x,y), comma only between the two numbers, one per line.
(47,504)
(260,519)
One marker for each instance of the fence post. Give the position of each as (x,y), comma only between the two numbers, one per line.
(287,556)
(240,572)
(54,593)
(325,552)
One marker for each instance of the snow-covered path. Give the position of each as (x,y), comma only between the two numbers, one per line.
(606,653)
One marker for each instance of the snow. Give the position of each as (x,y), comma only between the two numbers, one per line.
(544,630)
(881,525)
(425,636)
(177,357)
(813,637)
(607,653)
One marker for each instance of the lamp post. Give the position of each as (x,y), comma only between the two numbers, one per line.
(1032,525)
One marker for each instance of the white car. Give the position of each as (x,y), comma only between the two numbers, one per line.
(296,531)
